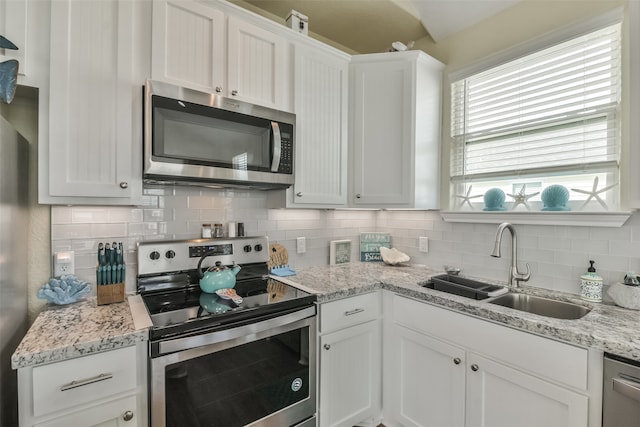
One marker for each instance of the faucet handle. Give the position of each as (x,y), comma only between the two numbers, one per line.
(523,277)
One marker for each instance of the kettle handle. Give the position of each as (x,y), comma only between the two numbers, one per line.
(206,254)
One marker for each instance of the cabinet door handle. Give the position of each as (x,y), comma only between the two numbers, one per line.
(127,416)
(457,360)
(299,194)
(124,185)
(234,92)
(474,367)
(87,381)
(327,346)
(358,196)
(354,311)
(628,388)
(218,89)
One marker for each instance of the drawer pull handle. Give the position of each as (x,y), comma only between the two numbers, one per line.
(354,311)
(80,383)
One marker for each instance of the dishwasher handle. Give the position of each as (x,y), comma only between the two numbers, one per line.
(627,387)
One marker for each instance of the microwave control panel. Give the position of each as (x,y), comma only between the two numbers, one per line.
(286,159)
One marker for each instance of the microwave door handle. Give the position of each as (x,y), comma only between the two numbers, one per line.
(277,147)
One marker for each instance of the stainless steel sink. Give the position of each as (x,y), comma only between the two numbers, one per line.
(541,306)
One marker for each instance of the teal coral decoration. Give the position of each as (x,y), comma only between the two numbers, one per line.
(555,198)
(8,73)
(66,290)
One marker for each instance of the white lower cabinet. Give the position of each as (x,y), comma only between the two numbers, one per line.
(119,413)
(102,389)
(350,361)
(498,395)
(443,368)
(427,380)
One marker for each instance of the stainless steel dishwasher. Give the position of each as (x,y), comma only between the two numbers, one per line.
(621,394)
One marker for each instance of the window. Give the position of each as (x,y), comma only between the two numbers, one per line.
(549,118)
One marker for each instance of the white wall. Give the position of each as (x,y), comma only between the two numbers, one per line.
(557,255)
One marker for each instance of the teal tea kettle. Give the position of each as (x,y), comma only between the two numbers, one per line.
(217,277)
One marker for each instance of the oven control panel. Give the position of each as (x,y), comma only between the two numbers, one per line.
(221,249)
(156,257)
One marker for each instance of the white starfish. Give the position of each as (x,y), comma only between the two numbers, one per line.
(521,197)
(595,193)
(466,198)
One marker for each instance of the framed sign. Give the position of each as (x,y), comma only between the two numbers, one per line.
(370,244)
(340,252)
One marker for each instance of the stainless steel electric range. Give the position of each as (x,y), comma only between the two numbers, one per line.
(216,362)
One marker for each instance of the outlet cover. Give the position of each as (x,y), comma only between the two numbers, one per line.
(423,244)
(63,263)
(301,245)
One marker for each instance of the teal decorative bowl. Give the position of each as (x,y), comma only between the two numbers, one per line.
(494,200)
(555,198)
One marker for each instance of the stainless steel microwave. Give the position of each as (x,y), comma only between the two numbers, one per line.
(194,137)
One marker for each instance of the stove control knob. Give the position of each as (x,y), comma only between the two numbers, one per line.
(170,254)
(247,248)
(155,255)
(258,247)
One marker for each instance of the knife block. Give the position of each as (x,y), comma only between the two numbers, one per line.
(109,294)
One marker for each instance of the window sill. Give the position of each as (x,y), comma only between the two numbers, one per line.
(585,219)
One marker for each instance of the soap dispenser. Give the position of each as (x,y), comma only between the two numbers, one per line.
(591,285)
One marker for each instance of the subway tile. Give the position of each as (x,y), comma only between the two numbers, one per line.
(557,254)
(591,246)
(70,231)
(88,215)
(143,228)
(61,214)
(125,215)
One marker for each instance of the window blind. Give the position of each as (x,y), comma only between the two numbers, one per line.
(556,109)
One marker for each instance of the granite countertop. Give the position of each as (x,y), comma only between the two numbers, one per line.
(68,331)
(606,327)
(65,332)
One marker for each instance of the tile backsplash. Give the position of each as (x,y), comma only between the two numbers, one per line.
(557,255)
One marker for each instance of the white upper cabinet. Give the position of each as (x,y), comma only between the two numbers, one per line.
(321,106)
(95,105)
(199,46)
(258,65)
(193,57)
(395,130)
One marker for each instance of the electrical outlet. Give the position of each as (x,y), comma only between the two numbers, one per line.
(301,245)
(423,244)
(63,263)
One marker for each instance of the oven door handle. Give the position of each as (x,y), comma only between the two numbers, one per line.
(180,344)
(631,389)
(276,154)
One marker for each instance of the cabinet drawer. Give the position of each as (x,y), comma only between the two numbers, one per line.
(347,312)
(65,384)
(544,357)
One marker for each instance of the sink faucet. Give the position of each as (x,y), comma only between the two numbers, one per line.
(514,275)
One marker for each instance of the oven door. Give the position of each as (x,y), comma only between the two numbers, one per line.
(259,374)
